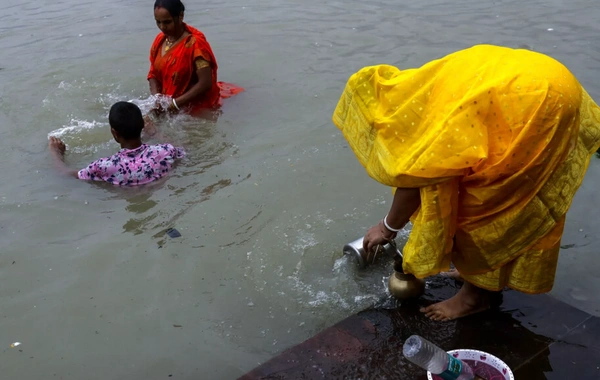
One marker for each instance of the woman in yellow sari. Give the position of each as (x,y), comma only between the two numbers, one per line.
(485,148)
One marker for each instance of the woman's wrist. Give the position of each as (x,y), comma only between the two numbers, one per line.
(173,106)
(388,227)
(385,232)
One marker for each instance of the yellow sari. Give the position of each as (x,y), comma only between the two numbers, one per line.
(498,140)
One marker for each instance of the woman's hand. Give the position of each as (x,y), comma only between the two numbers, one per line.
(377,235)
(164,103)
(173,108)
(406,202)
(158,104)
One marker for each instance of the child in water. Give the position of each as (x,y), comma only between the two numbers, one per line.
(135,164)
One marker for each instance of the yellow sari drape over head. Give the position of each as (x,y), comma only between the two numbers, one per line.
(498,140)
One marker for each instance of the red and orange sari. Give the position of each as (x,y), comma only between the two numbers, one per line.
(176,69)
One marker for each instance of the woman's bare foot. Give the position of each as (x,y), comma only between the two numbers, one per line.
(453,274)
(469,300)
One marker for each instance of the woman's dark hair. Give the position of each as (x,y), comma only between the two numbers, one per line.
(175,7)
(126,119)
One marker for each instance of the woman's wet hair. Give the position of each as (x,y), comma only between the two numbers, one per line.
(126,119)
(175,7)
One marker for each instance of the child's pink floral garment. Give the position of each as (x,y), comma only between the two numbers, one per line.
(132,167)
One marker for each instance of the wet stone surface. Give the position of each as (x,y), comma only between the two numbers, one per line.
(537,336)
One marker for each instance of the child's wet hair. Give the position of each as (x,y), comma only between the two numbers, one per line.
(126,119)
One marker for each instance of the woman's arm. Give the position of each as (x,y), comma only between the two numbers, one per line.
(406,202)
(204,74)
(154,86)
(404,205)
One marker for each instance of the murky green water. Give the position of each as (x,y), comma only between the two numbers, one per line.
(265,200)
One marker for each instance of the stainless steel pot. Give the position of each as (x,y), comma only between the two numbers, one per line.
(355,249)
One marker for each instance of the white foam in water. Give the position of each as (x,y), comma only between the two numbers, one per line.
(338,291)
(64,85)
(370,298)
(85,136)
(305,240)
(76,126)
(79,136)
(341,264)
(146,105)
(317,297)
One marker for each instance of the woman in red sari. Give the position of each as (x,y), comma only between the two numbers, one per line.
(182,64)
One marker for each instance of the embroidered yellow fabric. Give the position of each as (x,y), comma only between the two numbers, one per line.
(498,140)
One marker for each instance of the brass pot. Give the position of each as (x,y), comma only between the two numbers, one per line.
(404,286)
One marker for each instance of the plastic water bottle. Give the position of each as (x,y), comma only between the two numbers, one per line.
(435,360)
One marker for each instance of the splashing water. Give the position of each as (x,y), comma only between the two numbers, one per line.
(92,136)
(153,101)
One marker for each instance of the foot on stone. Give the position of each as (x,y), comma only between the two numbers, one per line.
(469,300)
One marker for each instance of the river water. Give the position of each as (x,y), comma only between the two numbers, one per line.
(268,195)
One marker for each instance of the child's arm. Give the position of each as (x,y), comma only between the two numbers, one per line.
(149,128)
(57,149)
